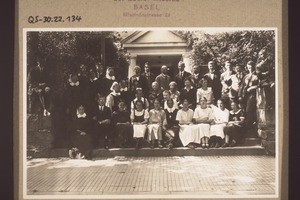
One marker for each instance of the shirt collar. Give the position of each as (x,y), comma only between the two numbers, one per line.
(81,116)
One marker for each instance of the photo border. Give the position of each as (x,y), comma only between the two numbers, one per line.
(23,120)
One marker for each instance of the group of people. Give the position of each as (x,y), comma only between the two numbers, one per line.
(191,109)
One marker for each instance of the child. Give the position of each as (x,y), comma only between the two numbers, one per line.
(80,139)
(139,119)
(157,122)
(234,129)
(166,97)
(139,96)
(123,129)
(187,129)
(205,91)
(172,129)
(113,98)
(203,117)
(221,117)
(103,122)
(188,93)
(155,93)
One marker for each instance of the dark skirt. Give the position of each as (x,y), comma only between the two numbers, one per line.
(235,132)
(123,134)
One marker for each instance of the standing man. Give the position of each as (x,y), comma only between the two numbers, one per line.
(214,81)
(163,79)
(37,83)
(195,77)
(181,76)
(138,81)
(149,76)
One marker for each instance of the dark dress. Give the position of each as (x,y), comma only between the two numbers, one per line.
(190,95)
(105,86)
(82,142)
(249,100)
(123,132)
(235,131)
(73,98)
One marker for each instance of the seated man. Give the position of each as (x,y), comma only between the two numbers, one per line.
(103,123)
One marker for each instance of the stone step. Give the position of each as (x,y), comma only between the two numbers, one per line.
(252,142)
(180,151)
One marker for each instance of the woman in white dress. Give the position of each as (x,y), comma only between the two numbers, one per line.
(157,123)
(187,130)
(221,117)
(203,117)
(205,91)
(139,119)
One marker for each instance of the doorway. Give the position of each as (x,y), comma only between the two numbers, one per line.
(156,61)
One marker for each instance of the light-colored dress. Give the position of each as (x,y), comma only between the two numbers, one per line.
(157,118)
(139,130)
(187,132)
(203,128)
(208,94)
(221,118)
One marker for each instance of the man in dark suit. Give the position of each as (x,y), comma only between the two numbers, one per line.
(214,81)
(103,123)
(163,79)
(195,77)
(138,81)
(181,76)
(149,76)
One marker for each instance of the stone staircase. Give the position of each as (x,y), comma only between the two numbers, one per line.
(251,146)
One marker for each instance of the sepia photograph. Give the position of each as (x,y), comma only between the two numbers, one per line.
(125,113)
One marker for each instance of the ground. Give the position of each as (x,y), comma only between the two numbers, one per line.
(187,175)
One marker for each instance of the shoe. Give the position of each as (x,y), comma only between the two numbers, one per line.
(225,145)
(212,145)
(232,144)
(191,146)
(137,145)
(170,146)
(207,146)
(217,145)
(71,154)
(152,145)
(160,146)
(203,146)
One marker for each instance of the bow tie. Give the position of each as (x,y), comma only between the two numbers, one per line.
(46,113)
(123,89)
(74,84)
(81,116)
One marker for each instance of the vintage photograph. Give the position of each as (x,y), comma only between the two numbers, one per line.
(158,112)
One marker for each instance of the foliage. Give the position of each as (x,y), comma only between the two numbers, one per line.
(62,53)
(238,46)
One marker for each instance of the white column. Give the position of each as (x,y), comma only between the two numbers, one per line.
(132,64)
(187,62)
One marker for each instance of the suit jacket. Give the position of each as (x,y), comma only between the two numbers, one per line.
(195,80)
(214,82)
(102,115)
(180,79)
(150,79)
(163,81)
(135,82)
